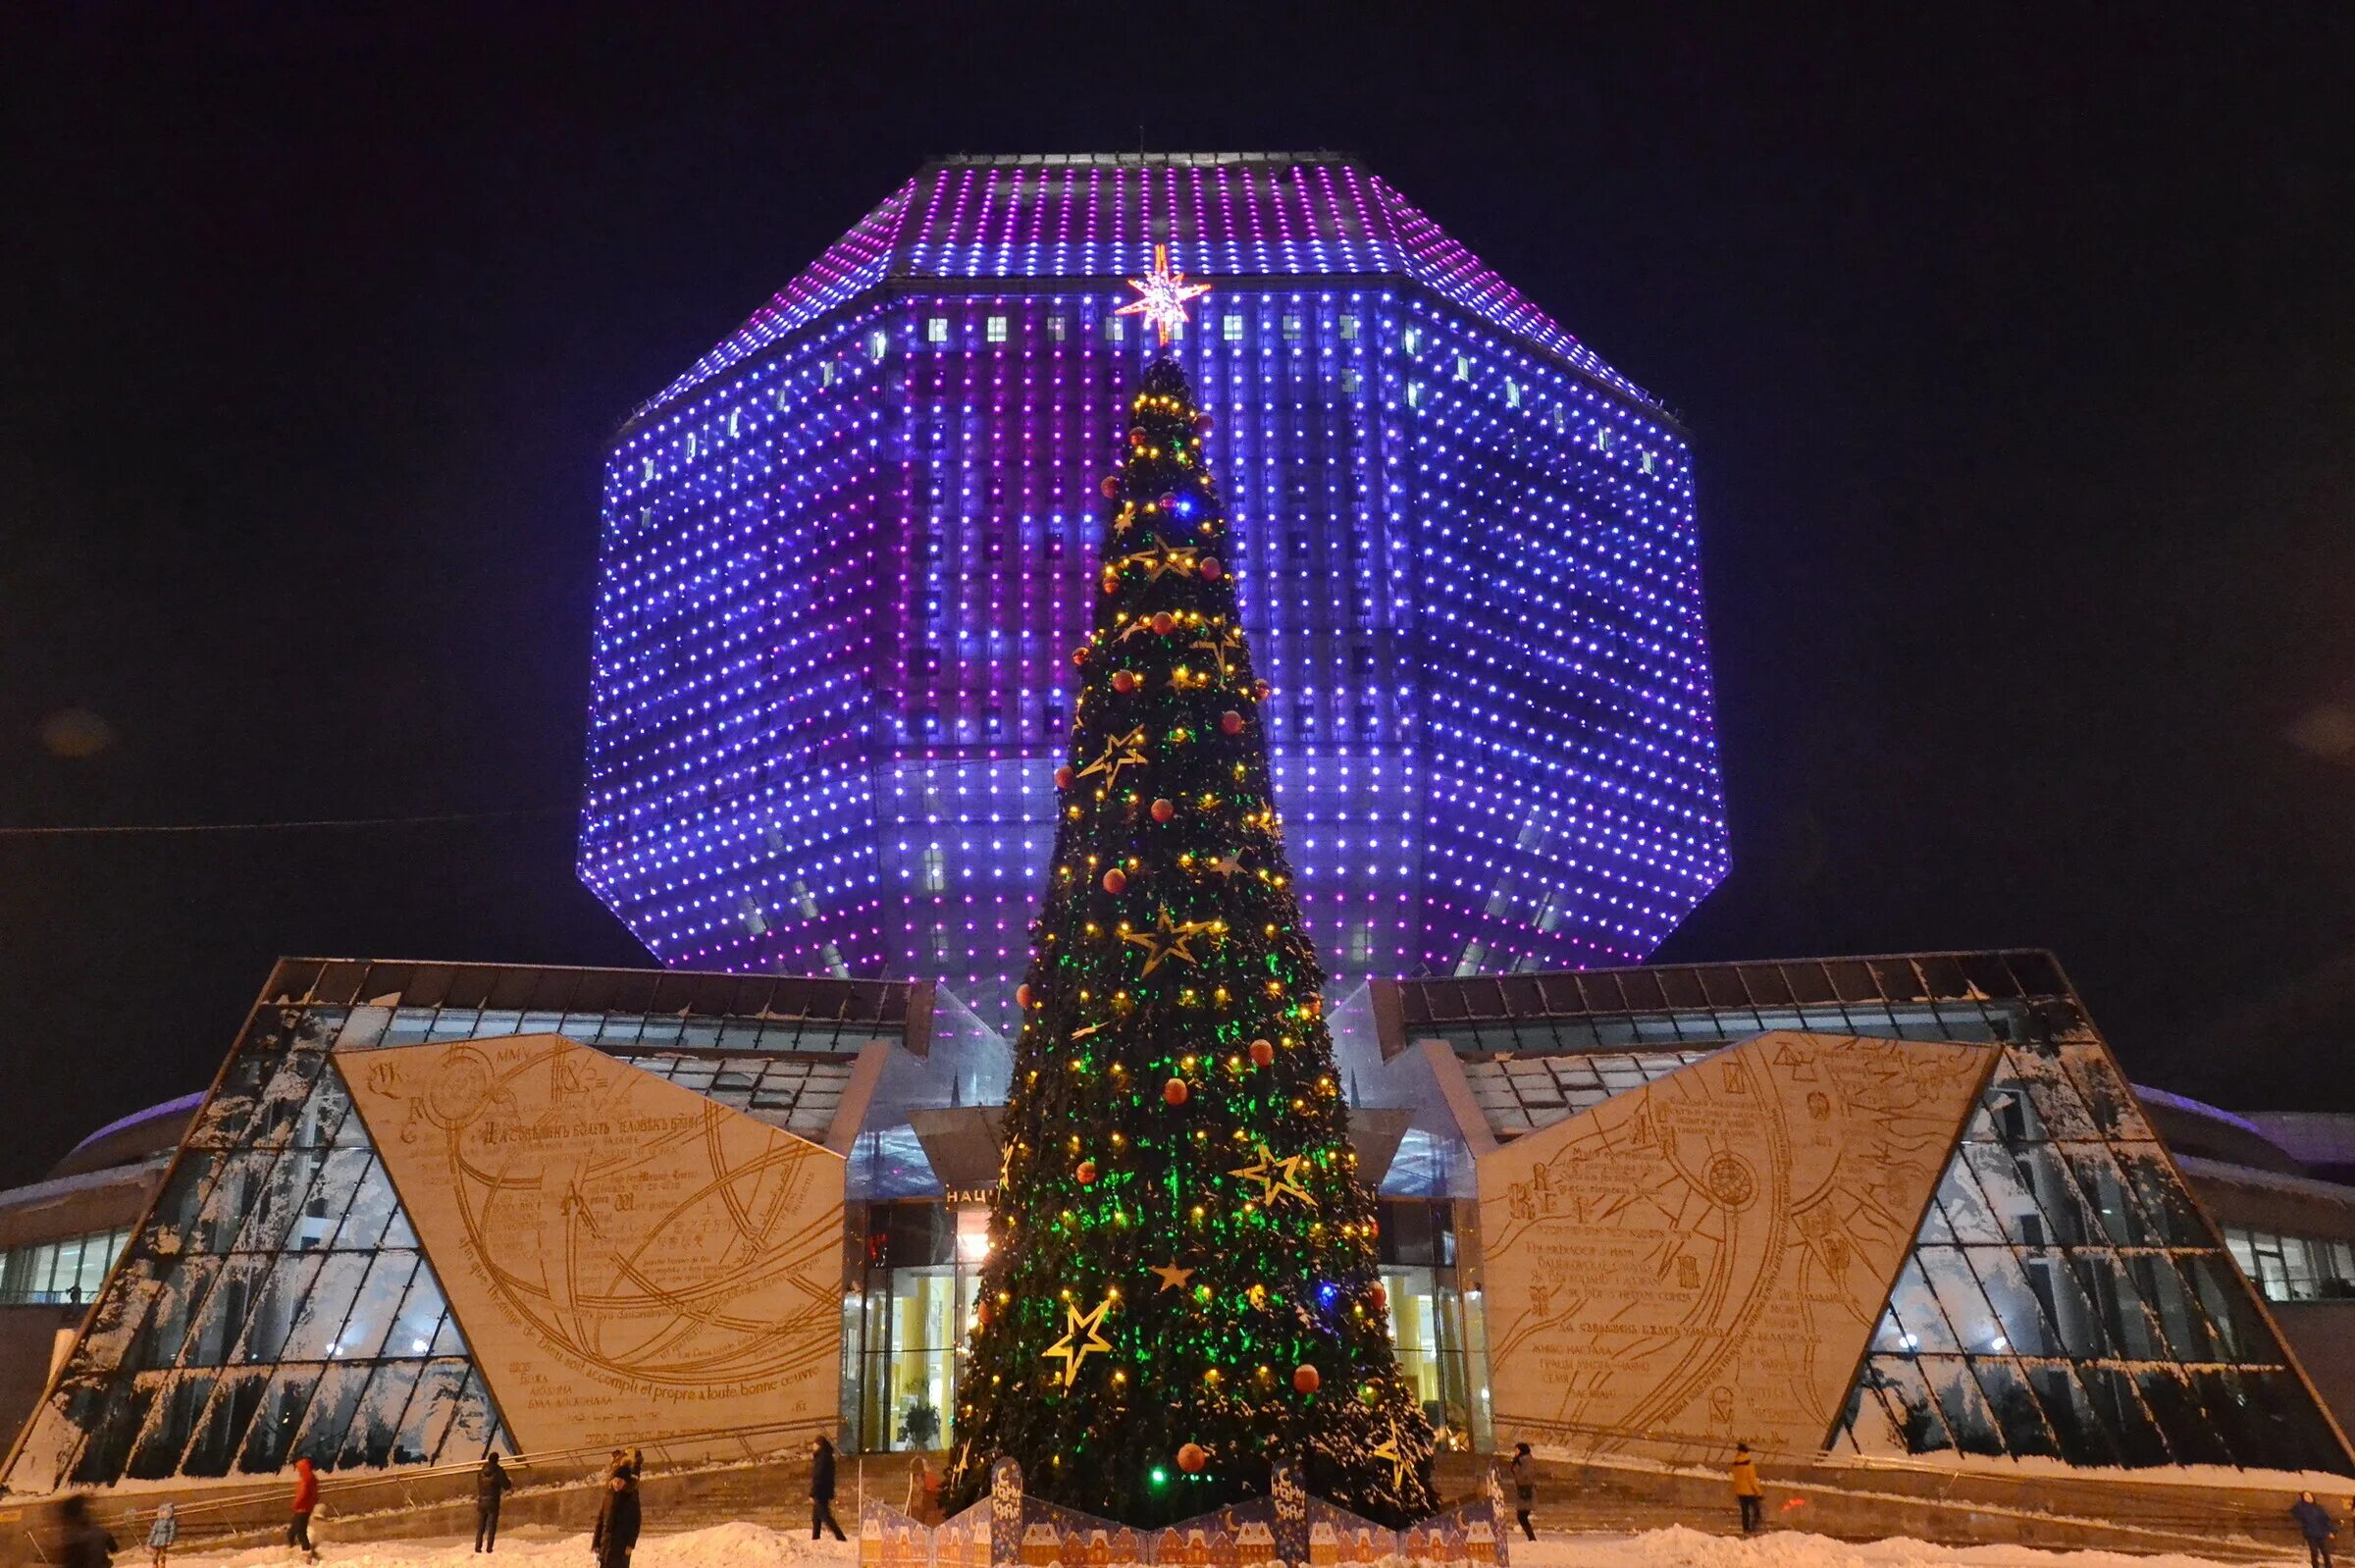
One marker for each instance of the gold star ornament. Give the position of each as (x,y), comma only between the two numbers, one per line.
(1277,1179)
(1172,1277)
(1122,751)
(1169,939)
(1390,1449)
(1082,1338)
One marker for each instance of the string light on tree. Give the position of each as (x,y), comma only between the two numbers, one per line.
(1157,1141)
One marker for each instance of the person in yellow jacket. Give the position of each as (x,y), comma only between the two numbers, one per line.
(1747,1495)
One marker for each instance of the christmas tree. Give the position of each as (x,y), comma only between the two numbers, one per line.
(1181,1290)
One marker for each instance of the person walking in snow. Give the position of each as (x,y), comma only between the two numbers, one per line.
(306,1503)
(1748,1495)
(821,1490)
(2314,1523)
(490,1484)
(162,1533)
(1525,1487)
(618,1518)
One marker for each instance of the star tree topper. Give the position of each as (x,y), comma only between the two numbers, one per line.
(1163,295)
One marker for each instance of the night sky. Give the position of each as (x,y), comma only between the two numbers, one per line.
(2018,347)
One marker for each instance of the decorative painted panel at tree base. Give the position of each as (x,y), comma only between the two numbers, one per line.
(1703,1260)
(627,1257)
(1010,1528)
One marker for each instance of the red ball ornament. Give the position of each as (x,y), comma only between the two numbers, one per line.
(1263,1052)
(1111,584)
(1175,1091)
(1086,1172)
(1205,424)
(1064,777)
(1136,435)
(1380,1296)
(1192,1458)
(1021,996)
(1164,623)
(1162,810)
(1079,659)
(1112,483)
(1169,503)
(1124,682)
(1116,880)
(1211,568)
(1306,1378)
(1232,723)
(1261,688)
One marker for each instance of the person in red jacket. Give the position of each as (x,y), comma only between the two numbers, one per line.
(306,1503)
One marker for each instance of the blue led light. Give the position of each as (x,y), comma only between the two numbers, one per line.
(846,557)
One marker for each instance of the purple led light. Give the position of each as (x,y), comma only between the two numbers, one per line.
(1086,217)
(843,571)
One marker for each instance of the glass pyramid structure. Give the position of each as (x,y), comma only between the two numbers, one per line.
(274,1304)
(2065,1298)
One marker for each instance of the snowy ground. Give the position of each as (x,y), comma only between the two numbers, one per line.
(743,1546)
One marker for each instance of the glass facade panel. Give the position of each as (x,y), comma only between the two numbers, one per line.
(914,1308)
(1907,1405)
(276,1304)
(2099,1318)
(2064,1297)
(259,1304)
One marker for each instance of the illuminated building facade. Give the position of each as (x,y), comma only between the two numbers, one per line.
(847,555)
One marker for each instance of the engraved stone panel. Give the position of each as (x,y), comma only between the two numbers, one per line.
(625,1257)
(1702,1258)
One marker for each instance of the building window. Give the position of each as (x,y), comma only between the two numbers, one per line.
(826,373)
(1602,439)
(649,468)
(1349,384)
(1414,340)
(1512,394)
(1414,395)
(878,344)
(1349,328)
(1463,367)
(1232,329)
(1116,329)
(936,331)
(1056,328)
(2293,1268)
(1292,327)
(996,329)
(66,1272)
